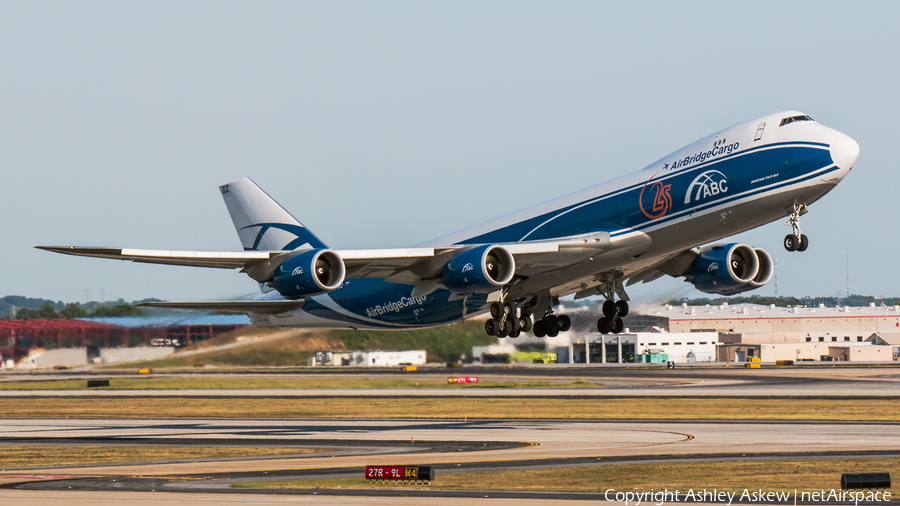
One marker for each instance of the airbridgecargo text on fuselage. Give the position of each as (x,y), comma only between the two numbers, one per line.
(393,307)
(703,156)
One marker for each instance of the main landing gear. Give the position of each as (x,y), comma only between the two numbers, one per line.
(505,321)
(611,321)
(613,310)
(508,321)
(551,325)
(796,241)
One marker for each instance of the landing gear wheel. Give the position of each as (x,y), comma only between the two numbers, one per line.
(514,326)
(504,329)
(791,242)
(492,327)
(622,307)
(617,326)
(539,330)
(553,333)
(512,309)
(564,323)
(603,325)
(551,323)
(526,323)
(514,334)
(609,309)
(496,310)
(804,243)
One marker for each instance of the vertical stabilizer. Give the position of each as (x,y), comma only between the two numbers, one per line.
(261,223)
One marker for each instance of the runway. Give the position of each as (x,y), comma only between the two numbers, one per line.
(536,440)
(528,445)
(452,446)
(612,381)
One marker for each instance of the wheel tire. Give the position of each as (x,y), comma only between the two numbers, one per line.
(514,326)
(622,306)
(514,334)
(564,322)
(551,323)
(496,310)
(791,242)
(539,330)
(512,309)
(617,326)
(525,321)
(609,309)
(491,327)
(603,325)
(804,243)
(553,333)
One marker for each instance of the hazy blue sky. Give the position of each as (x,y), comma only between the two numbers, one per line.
(383,124)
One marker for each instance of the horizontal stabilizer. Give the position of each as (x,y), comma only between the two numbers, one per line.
(232,306)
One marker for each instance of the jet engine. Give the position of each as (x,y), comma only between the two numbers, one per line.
(478,270)
(309,273)
(731,269)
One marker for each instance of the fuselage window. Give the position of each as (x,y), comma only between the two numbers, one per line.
(792,119)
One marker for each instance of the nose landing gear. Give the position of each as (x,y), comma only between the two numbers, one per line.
(796,241)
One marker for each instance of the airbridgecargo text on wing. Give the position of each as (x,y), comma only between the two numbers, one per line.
(393,307)
(703,156)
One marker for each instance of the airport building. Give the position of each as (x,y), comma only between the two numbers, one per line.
(366,358)
(771,324)
(865,334)
(71,343)
(639,347)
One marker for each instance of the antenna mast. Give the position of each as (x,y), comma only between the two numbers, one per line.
(848,273)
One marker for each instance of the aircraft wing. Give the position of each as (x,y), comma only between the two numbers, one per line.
(215,259)
(398,265)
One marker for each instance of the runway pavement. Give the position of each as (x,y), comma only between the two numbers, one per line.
(540,444)
(614,381)
(545,440)
(451,445)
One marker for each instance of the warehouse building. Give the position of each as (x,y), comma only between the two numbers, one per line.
(640,347)
(367,358)
(777,324)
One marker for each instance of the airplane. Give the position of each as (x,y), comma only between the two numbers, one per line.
(658,221)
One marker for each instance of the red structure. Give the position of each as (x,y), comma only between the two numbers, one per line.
(18,337)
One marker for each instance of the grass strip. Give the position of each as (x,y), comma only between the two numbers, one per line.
(772,475)
(425,407)
(381,383)
(27,456)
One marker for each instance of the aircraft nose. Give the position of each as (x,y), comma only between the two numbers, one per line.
(844,151)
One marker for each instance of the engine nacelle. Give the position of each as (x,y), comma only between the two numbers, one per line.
(309,273)
(478,270)
(731,269)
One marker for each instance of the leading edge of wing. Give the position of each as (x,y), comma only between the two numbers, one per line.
(231,306)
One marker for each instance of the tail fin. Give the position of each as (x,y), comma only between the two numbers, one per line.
(261,223)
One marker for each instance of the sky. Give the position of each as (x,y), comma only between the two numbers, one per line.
(384,124)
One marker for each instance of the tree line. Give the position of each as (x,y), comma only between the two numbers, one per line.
(72,311)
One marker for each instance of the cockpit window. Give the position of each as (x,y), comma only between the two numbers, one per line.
(792,119)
